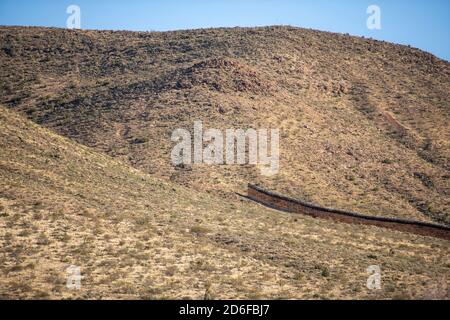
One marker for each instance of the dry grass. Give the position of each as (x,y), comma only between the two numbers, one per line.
(364,127)
(364,124)
(135,236)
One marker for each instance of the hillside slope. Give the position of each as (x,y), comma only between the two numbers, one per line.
(136,236)
(364,124)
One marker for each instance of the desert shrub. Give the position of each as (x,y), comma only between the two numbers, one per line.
(199,230)
(325,272)
(9,51)
(139,140)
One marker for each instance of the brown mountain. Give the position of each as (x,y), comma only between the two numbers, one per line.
(363,126)
(364,123)
(136,236)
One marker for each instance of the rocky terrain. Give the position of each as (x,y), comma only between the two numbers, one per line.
(87,180)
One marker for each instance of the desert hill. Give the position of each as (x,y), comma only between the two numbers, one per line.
(363,123)
(137,236)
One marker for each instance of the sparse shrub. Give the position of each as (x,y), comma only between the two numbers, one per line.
(54,154)
(208,293)
(7,88)
(30,111)
(37,216)
(10,51)
(42,240)
(325,272)
(299,276)
(350,177)
(142,221)
(199,230)
(24,233)
(16,268)
(65,237)
(201,265)
(140,140)
(170,271)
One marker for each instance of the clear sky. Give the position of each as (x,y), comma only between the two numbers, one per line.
(420,23)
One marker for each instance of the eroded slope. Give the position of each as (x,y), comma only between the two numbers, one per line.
(364,124)
(135,236)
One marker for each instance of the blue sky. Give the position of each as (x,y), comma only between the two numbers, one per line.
(420,23)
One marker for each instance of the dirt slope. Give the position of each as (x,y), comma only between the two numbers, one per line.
(136,236)
(364,124)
